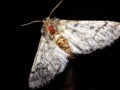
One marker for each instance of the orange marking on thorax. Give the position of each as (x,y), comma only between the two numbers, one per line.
(51,30)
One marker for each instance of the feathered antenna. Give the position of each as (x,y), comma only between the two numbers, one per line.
(47,17)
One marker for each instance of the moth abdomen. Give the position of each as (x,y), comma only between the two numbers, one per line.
(63,44)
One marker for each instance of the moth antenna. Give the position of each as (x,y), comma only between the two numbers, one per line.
(55,8)
(48,16)
(31,22)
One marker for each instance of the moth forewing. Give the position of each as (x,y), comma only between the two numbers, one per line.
(49,61)
(86,36)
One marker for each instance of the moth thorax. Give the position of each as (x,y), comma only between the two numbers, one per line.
(63,44)
(51,29)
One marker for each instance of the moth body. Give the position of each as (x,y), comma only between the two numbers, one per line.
(53,32)
(65,38)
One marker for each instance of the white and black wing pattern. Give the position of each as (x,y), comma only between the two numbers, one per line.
(49,61)
(87,36)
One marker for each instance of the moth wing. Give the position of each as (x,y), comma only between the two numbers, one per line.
(49,61)
(87,36)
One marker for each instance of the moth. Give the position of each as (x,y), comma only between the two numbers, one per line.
(64,38)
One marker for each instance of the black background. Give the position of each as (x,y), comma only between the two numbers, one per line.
(96,71)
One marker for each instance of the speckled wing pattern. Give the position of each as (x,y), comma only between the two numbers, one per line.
(49,61)
(82,36)
(87,36)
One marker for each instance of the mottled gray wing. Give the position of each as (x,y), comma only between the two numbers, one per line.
(87,36)
(49,61)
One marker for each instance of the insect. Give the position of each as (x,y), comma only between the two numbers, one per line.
(64,38)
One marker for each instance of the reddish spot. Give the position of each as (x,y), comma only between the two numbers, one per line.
(51,30)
